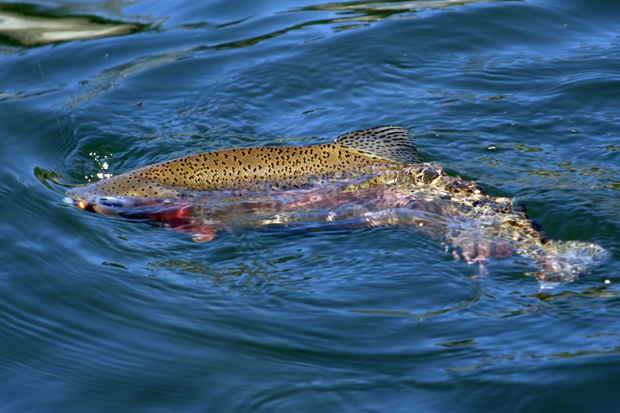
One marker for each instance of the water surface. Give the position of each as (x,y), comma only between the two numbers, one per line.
(100,314)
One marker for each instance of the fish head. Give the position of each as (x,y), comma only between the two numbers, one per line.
(113,197)
(170,213)
(95,197)
(102,205)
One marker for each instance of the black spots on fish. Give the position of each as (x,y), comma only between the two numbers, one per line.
(477,189)
(429,175)
(520,207)
(246,167)
(544,238)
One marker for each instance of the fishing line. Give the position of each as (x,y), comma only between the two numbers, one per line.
(43,76)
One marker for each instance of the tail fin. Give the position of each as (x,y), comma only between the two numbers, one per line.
(566,260)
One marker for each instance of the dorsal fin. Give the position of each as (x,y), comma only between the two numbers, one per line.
(392,143)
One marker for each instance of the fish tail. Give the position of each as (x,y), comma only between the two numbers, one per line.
(564,261)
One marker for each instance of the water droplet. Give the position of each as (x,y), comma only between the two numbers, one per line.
(492,148)
(574,130)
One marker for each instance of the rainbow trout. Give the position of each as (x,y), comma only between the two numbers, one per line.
(370,178)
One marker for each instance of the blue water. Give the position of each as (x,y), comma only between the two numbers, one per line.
(102,314)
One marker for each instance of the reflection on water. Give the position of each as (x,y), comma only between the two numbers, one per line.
(592,294)
(391,6)
(72,28)
(470,301)
(33,30)
(29,25)
(363,12)
(110,79)
(254,275)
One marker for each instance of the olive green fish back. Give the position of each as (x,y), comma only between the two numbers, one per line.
(264,167)
(278,165)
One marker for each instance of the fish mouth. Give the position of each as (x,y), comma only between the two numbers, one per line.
(80,204)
